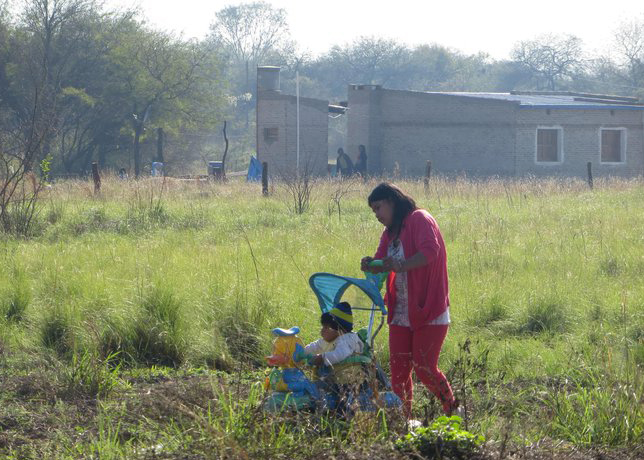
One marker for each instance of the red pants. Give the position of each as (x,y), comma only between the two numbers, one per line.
(418,350)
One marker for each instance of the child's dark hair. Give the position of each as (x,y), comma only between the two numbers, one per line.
(403,204)
(327,319)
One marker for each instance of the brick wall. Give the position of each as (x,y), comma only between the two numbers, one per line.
(580,130)
(479,137)
(364,125)
(458,134)
(278,111)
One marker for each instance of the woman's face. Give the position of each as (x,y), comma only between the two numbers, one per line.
(384,211)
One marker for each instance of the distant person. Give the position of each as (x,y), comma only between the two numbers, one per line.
(344,165)
(122,174)
(361,162)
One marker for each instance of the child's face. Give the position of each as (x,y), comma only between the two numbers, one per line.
(328,334)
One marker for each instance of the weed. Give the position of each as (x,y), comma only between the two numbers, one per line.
(468,371)
(90,375)
(610,266)
(638,354)
(242,325)
(598,412)
(444,438)
(56,211)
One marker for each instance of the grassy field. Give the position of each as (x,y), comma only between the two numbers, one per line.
(133,323)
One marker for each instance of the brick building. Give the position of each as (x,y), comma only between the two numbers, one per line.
(277,127)
(477,134)
(506,134)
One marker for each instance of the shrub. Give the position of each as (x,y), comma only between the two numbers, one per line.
(544,315)
(491,311)
(157,333)
(56,331)
(19,298)
(444,438)
(242,326)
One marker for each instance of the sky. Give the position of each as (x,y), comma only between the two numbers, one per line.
(491,26)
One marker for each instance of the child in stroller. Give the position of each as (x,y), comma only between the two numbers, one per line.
(347,374)
(342,377)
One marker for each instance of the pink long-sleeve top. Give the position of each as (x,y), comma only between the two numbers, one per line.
(428,295)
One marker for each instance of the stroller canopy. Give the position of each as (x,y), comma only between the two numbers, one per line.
(330,288)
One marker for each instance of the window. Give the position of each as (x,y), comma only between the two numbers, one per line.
(612,147)
(270,134)
(549,145)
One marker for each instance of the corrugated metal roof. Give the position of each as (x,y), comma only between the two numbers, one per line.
(553,101)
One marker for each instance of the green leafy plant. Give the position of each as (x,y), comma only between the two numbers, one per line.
(444,438)
(45,167)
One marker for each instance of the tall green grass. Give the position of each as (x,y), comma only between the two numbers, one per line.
(545,277)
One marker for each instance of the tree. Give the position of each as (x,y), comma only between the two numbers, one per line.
(371,60)
(103,78)
(38,65)
(55,63)
(22,133)
(248,33)
(168,81)
(550,58)
(628,57)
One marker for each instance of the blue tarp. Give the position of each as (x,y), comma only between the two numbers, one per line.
(329,289)
(254,170)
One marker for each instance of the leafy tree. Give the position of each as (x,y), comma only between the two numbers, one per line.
(167,81)
(55,64)
(99,79)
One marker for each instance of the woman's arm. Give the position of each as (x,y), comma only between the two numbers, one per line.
(415,261)
(425,235)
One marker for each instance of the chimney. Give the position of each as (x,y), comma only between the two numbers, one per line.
(268,78)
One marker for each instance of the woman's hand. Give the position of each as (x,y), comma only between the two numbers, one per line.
(389,264)
(364,264)
(318,360)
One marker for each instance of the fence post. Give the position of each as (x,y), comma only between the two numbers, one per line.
(428,174)
(97,177)
(264,178)
(160,146)
(590,175)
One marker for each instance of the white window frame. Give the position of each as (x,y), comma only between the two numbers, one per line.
(623,140)
(560,145)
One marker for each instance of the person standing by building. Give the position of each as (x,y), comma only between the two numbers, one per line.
(413,251)
(344,165)
(361,161)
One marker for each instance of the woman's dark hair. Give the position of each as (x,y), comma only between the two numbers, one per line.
(403,204)
(327,319)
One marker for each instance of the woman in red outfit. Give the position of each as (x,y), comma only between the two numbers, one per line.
(413,251)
